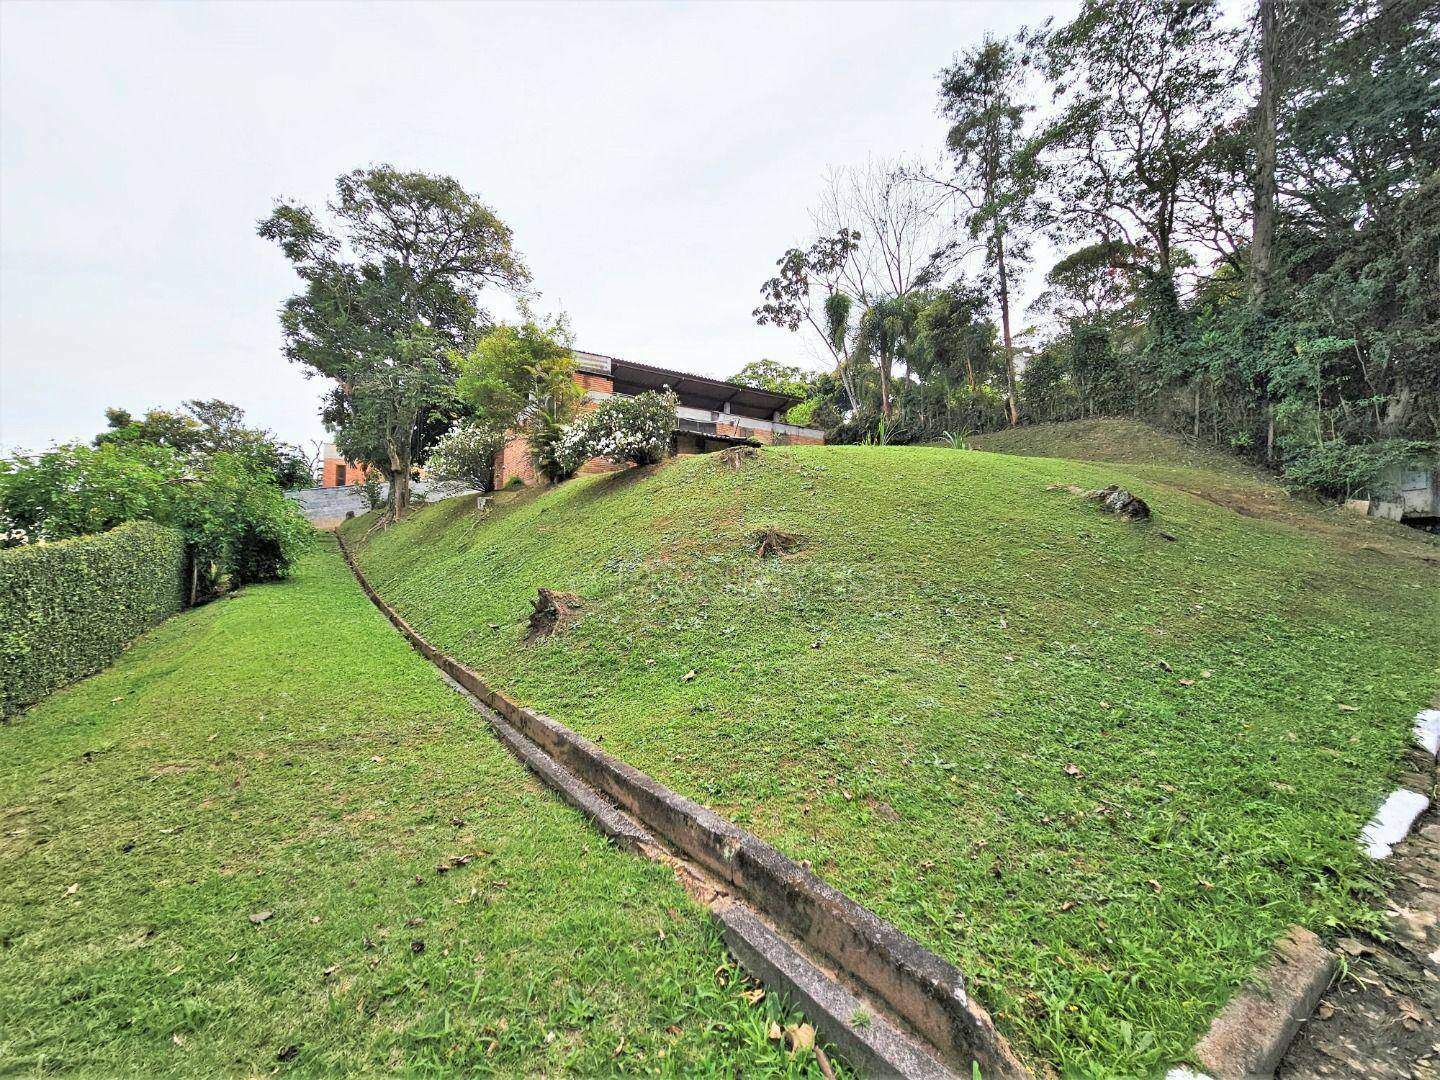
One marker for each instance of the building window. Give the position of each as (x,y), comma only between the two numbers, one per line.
(339,475)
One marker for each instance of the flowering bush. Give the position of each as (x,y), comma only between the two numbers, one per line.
(556,450)
(466,454)
(635,429)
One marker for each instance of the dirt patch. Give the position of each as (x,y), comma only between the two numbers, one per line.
(735,456)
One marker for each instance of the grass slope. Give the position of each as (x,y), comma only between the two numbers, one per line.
(953,703)
(285,751)
(1208,474)
(1119,440)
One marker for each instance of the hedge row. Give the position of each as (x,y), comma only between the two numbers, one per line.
(69,608)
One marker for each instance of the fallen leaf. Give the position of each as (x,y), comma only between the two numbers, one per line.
(290,1053)
(1324,1011)
(377,759)
(1067,905)
(417,947)
(1163,666)
(73,889)
(1349,708)
(1073,770)
(1206,884)
(753,996)
(649,662)
(687,676)
(799,1037)
(619,1047)
(260,916)
(1186,682)
(1153,884)
(673,1030)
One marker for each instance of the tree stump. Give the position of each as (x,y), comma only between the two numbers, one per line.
(733,456)
(551,611)
(771,543)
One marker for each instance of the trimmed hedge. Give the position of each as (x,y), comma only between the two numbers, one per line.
(69,608)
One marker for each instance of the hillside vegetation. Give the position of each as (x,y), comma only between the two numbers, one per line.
(1098,768)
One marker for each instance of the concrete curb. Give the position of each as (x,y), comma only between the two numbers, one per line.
(925,993)
(1251,1034)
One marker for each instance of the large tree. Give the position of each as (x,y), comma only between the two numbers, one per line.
(982,94)
(1142,88)
(807,290)
(391,288)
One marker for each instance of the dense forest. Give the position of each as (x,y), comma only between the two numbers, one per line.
(1228,229)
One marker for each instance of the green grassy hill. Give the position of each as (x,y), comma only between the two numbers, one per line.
(1107,438)
(1099,769)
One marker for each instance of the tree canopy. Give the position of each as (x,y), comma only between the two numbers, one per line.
(390,290)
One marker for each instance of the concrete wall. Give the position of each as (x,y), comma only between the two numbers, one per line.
(327,507)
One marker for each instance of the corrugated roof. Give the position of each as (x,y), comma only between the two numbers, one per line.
(780,401)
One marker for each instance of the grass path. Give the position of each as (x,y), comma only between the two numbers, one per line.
(284,751)
(1099,770)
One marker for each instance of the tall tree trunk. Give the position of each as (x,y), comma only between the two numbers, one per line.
(1005,327)
(399,480)
(1262,240)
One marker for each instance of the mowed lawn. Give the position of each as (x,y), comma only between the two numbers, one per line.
(1099,769)
(219,858)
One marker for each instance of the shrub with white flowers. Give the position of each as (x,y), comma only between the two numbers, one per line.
(635,429)
(466,454)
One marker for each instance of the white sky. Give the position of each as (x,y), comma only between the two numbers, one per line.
(652,160)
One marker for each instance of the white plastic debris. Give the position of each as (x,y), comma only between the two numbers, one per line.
(1427,731)
(1178,1073)
(1392,821)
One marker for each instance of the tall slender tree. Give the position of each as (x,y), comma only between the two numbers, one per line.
(981,95)
(1262,237)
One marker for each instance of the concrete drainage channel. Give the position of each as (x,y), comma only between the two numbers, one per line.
(890,1006)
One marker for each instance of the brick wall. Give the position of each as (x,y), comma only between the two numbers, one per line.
(330,472)
(514,460)
(587,381)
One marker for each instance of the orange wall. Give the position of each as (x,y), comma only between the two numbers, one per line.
(330,469)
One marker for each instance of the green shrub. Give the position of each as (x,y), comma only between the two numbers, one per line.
(240,526)
(68,608)
(1343,470)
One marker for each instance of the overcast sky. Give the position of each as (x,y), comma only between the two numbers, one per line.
(652,160)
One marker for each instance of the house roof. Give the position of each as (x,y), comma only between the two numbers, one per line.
(714,391)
